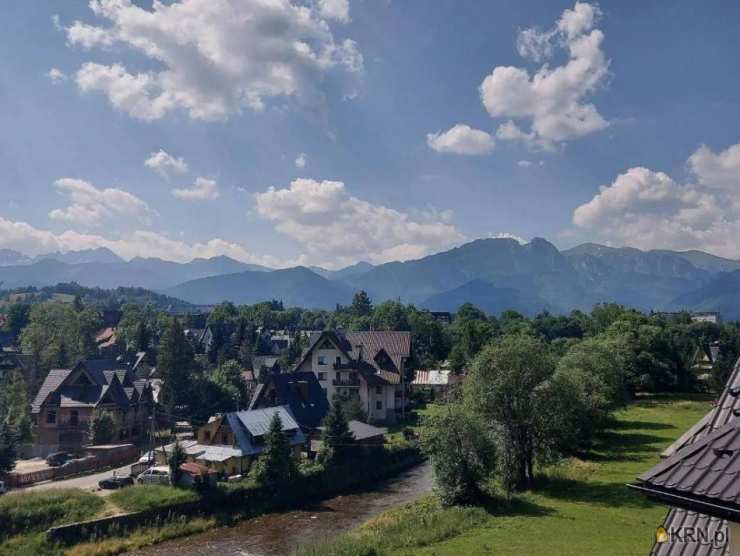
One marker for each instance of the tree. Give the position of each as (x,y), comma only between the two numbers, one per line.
(18,316)
(102,428)
(8,448)
(463,454)
(176,364)
(228,377)
(337,438)
(176,459)
(505,388)
(276,467)
(361,304)
(15,406)
(588,384)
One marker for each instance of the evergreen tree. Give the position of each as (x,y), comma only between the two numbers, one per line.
(361,304)
(176,459)
(8,448)
(176,364)
(337,439)
(276,467)
(102,428)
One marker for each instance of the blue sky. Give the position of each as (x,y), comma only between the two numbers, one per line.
(332,131)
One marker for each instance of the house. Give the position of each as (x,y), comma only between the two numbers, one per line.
(265,364)
(682,519)
(68,398)
(706,316)
(368,367)
(704,360)
(363,433)
(196,475)
(300,391)
(228,444)
(439,381)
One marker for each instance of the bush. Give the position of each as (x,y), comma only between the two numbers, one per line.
(147,497)
(24,512)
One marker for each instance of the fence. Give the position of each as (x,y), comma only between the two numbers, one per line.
(74,467)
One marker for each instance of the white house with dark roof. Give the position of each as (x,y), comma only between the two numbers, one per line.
(68,398)
(368,367)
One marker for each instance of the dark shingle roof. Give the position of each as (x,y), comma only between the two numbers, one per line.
(110,378)
(52,381)
(721,414)
(368,350)
(705,470)
(299,391)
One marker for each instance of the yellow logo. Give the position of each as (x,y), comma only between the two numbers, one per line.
(661,535)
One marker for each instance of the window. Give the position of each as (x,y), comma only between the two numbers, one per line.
(206,435)
(51,417)
(74,417)
(322,376)
(224,438)
(378,405)
(322,359)
(379,390)
(338,361)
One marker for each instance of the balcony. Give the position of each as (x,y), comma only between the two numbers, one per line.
(353,382)
(344,366)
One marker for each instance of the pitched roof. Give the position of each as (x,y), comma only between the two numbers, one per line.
(111,380)
(434,377)
(248,425)
(701,475)
(377,355)
(301,391)
(52,381)
(724,412)
(363,431)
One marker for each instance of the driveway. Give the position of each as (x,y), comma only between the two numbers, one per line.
(84,482)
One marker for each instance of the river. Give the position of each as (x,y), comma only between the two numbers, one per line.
(281,533)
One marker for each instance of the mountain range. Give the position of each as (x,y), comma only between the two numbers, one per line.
(494,274)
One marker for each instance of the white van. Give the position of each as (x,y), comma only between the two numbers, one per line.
(158,475)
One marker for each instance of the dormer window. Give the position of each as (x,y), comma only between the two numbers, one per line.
(322,360)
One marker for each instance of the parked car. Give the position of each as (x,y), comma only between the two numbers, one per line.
(58,458)
(3,488)
(159,475)
(116,481)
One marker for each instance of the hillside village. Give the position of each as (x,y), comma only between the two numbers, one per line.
(194,399)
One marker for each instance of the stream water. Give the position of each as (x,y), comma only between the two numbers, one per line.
(281,533)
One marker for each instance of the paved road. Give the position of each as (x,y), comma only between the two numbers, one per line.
(85,482)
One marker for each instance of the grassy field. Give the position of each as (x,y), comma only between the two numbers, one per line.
(581,507)
(146,497)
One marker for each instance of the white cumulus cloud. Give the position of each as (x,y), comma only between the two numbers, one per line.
(553,100)
(56,76)
(461,139)
(330,222)
(301,160)
(337,10)
(91,206)
(214,57)
(165,164)
(203,189)
(650,209)
(140,243)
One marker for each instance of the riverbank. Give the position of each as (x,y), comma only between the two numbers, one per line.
(581,507)
(174,516)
